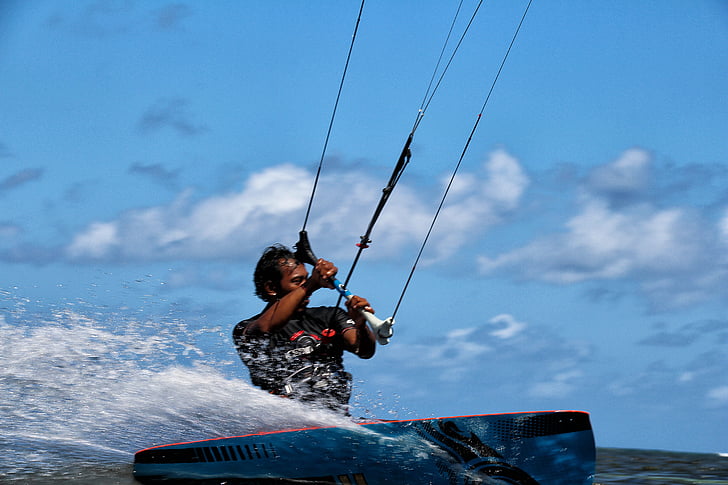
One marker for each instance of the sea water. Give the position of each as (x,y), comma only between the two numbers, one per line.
(83,388)
(81,391)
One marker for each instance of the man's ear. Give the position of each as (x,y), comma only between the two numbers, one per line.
(270,288)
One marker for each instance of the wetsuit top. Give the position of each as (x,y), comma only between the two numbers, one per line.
(301,359)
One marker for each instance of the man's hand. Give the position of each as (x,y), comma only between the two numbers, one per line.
(355,304)
(360,338)
(322,276)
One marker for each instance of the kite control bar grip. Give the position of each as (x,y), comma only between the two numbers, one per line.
(304,253)
(382,328)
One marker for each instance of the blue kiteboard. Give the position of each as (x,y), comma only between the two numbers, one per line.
(546,447)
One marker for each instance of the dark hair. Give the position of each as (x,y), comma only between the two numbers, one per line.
(269,269)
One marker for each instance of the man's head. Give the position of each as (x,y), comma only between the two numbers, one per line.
(277,272)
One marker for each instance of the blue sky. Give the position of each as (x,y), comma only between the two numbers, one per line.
(150,150)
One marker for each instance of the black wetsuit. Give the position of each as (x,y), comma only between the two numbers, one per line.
(302,359)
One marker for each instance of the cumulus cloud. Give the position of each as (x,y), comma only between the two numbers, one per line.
(270,208)
(602,243)
(477,201)
(509,326)
(676,254)
(481,201)
(218,227)
(622,180)
(535,359)
(96,240)
(455,353)
(560,384)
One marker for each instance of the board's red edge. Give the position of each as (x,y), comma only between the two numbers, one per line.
(364,423)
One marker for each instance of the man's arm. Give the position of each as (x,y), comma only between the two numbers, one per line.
(359,339)
(278,313)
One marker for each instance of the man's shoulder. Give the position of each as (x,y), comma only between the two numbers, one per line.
(240,327)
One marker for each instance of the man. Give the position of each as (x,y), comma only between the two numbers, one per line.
(296,351)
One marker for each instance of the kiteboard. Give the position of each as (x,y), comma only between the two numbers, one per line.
(532,448)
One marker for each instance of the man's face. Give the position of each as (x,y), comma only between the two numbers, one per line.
(294,274)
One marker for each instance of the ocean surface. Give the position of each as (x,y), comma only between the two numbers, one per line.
(614,466)
(81,391)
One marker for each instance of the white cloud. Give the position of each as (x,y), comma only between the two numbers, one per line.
(626,175)
(672,252)
(459,347)
(532,360)
(506,181)
(723,227)
(562,384)
(685,377)
(270,208)
(600,242)
(95,242)
(718,396)
(216,227)
(459,333)
(509,326)
(451,356)
(479,202)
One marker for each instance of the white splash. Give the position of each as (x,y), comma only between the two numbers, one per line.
(77,390)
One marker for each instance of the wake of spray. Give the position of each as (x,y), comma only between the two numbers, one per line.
(78,390)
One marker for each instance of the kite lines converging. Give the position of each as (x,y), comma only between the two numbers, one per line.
(405,156)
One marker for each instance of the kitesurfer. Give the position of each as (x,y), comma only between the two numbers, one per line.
(296,351)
